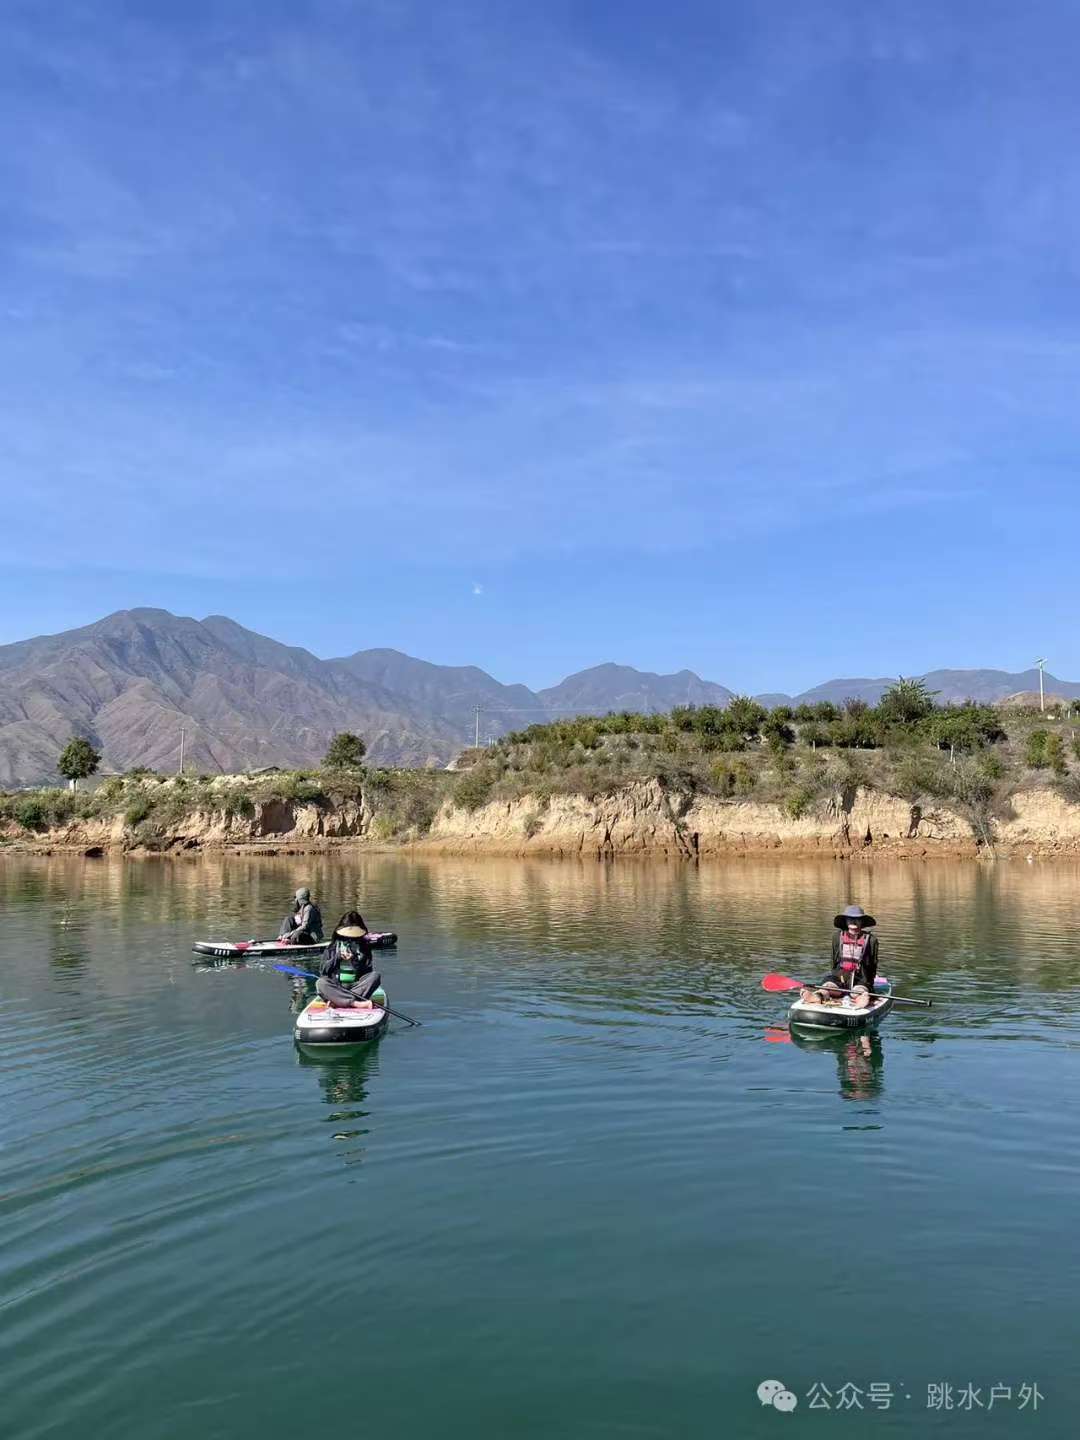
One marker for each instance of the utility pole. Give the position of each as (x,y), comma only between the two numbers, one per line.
(181,770)
(1042,689)
(476,742)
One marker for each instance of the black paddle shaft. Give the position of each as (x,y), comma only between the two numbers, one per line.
(309,975)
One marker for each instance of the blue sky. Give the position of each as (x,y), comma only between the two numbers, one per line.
(744,337)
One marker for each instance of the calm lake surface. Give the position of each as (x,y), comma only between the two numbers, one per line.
(600,1193)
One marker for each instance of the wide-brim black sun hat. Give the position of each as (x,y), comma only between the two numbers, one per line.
(854,912)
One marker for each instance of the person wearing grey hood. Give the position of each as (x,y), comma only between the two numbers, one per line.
(303,926)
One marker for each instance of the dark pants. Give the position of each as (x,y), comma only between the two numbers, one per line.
(302,937)
(345,994)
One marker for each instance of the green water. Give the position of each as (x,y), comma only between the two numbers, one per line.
(599,1193)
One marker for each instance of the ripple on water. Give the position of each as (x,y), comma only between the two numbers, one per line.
(599,1143)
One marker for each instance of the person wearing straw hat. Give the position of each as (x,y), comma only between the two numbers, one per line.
(855,961)
(347,975)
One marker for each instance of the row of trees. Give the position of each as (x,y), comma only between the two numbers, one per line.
(79,760)
(906,710)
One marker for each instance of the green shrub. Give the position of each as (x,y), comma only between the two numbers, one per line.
(31,812)
(917,775)
(783,765)
(238,804)
(992,765)
(733,778)
(407,800)
(1054,755)
(974,794)
(777,734)
(853,773)
(139,810)
(473,789)
(1035,750)
(298,787)
(800,800)
(856,729)
(532,824)
(813,733)
(63,806)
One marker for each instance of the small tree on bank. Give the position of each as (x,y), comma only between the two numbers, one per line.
(905,703)
(346,752)
(1054,755)
(1035,750)
(78,759)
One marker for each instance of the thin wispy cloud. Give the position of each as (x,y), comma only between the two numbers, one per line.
(581,289)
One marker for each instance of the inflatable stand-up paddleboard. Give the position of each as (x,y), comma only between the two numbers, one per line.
(278,949)
(323,1026)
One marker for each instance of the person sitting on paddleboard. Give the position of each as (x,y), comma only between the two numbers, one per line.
(855,960)
(304,925)
(348,975)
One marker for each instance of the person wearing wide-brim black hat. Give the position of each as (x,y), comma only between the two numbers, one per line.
(854,957)
(347,975)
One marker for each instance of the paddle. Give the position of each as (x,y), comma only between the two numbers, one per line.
(779,983)
(307,975)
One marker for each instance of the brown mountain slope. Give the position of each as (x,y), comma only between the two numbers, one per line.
(621,687)
(132,680)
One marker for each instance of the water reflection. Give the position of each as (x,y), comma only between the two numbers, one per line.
(590,1060)
(860,1060)
(344,1076)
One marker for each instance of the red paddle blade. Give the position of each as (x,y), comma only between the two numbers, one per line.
(780,982)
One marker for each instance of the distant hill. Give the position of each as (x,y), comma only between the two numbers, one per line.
(449,691)
(986,686)
(620,687)
(1029,700)
(840,690)
(132,681)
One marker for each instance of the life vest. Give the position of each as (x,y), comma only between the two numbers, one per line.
(853,949)
(852,954)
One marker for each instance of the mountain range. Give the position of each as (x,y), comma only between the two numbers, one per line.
(135,680)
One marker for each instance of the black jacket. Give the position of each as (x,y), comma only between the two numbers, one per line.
(866,974)
(356,951)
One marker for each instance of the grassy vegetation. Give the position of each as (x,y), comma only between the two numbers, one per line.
(970,757)
(151,803)
(809,760)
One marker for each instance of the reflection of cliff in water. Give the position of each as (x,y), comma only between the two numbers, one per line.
(624,930)
(860,1060)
